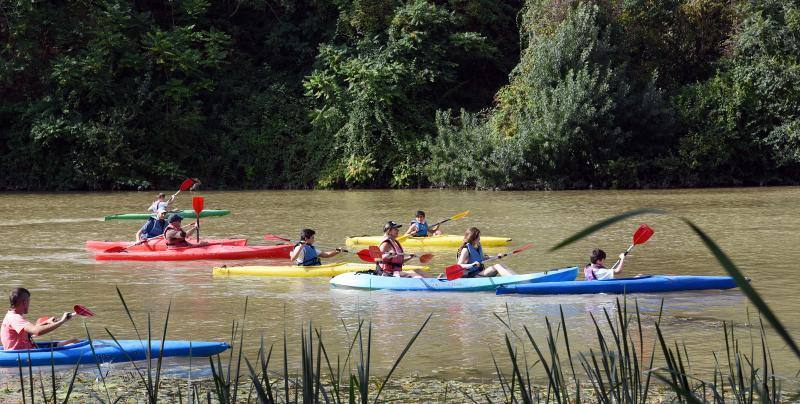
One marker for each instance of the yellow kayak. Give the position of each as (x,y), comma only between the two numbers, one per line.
(444,240)
(295,271)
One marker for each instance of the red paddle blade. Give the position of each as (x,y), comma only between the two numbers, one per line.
(115,249)
(82,310)
(375,252)
(197,204)
(642,234)
(272,237)
(364,255)
(187,183)
(454,272)
(42,320)
(523,248)
(425,258)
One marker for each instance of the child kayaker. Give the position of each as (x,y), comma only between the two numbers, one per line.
(470,257)
(596,270)
(175,235)
(305,254)
(161,202)
(419,227)
(393,258)
(154,226)
(16,332)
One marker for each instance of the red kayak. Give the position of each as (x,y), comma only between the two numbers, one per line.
(154,244)
(210,252)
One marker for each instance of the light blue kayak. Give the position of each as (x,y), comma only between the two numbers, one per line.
(375,282)
(644,284)
(106,351)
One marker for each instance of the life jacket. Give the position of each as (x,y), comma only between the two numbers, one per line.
(310,257)
(154,227)
(177,241)
(395,263)
(422,228)
(588,271)
(475,255)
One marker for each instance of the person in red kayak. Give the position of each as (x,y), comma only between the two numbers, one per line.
(419,227)
(16,332)
(393,258)
(304,252)
(596,270)
(175,235)
(154,226)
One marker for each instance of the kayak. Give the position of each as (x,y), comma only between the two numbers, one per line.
(295,271)
(444,240)
(374,282)
(643,284)
(106,351)
(187,214)
(154,244)
(211,252)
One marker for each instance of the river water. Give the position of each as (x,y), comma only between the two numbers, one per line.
(42,248)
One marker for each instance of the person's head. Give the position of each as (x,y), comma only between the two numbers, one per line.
(19,299)
(420,216)
(307,236)
(472,235)
(390,228)
(175,219)
(161,196)
(598,256)
(161,214)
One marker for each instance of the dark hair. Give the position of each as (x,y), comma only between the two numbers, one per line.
(16,295)
(306,234)
(597,255)
(420,213)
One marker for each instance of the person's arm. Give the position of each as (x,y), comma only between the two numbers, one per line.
(412,228)
(386,250)
(296,252)
(192,229)
(618,269)
(44,328)
(328,254)
(463,257)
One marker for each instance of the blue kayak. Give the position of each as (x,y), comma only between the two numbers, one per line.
(644,284)
(374,282)
(106,351)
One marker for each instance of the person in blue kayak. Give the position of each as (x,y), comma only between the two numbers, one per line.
(470,257)
(419,227)
(596,270)
(305,254)
(175,235)
(16,332)
(154,226)
(393,257)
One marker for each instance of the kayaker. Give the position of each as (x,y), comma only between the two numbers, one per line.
(154,226)
(175,235)
(161,202)
(419,227)
(391,262)
(305,254)
(16,332)
(470,257)
(596,270)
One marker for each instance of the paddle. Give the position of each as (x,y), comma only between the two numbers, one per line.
(376,254)
(454,217)
(78,309)
(456,271)
(117,248)
(186,185)
(197,204)
(641,236)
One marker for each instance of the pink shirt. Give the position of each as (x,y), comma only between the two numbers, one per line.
(13,334)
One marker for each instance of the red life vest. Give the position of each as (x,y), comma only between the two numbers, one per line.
(176,241)
(395,263)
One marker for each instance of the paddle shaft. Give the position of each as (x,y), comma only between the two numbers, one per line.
(626,253)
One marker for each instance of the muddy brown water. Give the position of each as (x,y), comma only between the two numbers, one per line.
(42,248)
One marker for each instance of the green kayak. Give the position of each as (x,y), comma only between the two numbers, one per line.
(189,214)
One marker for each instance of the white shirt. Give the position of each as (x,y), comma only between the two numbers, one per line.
(302,257)
(603,273)
(158,204)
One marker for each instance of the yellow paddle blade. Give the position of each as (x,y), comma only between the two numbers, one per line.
(460,215)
